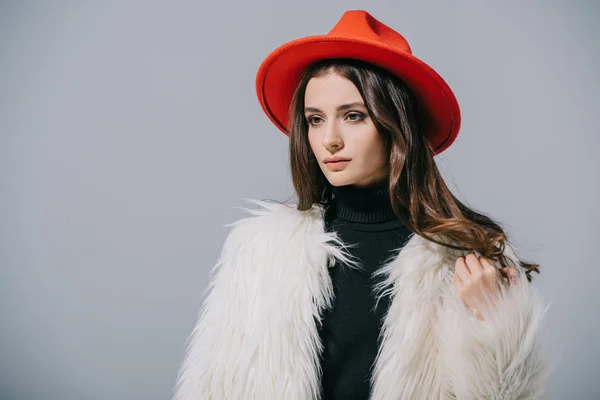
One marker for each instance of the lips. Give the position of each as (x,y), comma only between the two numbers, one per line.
(336,165)
(330,160)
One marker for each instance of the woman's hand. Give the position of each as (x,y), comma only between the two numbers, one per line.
(476,278)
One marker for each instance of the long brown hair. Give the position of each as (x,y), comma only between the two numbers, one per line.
(418,193)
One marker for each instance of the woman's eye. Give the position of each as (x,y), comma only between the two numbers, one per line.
(313,120)
(355,117)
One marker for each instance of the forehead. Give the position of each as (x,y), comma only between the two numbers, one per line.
(330,90)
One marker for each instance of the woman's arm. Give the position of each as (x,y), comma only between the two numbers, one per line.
(503,354)
(256,334)
(218,341)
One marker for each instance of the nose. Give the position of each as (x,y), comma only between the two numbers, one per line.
(332,139)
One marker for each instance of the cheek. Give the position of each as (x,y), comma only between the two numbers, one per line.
(312,142)
(382,154)
(316,148)
(313,146)
(374,153)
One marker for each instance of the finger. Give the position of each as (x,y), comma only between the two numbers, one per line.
(487,263)
(491,272)
(511,273)
(473,264)
(462,271)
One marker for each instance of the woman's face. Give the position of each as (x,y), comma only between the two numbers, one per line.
(340,126)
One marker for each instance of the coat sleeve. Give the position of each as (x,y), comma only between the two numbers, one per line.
(215,337)
(505,356)
(260,310)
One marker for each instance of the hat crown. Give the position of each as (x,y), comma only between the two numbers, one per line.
(359,24)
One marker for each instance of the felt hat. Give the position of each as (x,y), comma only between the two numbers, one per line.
(358,35)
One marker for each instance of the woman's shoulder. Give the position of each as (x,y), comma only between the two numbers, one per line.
(271,235)
(270,219)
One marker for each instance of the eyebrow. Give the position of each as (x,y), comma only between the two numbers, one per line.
(340,108)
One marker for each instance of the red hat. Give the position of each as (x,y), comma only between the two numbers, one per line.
(358,35)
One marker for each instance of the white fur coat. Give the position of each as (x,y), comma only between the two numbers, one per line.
(256,337)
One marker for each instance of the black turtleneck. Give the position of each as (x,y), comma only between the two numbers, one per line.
(364,218)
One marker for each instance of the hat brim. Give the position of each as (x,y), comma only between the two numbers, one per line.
(280,73)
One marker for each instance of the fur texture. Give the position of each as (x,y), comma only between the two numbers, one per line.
(257,338)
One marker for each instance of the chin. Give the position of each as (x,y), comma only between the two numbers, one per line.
(340,180)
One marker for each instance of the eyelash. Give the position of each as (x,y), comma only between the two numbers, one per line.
(359,114)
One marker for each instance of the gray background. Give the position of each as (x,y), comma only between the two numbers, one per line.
(130,132)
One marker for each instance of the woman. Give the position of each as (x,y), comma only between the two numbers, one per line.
(378,283)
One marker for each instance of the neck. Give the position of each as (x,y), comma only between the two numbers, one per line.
(363,204)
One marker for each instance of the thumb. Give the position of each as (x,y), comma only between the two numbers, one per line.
(511,273)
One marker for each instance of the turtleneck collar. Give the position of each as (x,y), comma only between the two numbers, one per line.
(363,204)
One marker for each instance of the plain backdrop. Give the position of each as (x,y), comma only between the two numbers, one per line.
(130,134)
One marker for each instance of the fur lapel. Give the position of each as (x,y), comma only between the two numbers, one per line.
(257,335)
